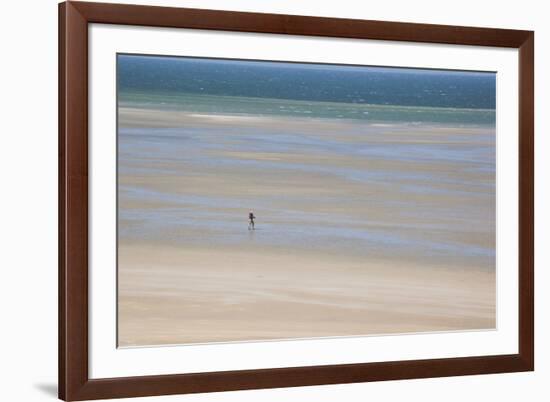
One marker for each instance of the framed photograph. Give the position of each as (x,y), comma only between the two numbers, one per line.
(259,200)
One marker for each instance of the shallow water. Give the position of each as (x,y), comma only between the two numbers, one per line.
(411,191)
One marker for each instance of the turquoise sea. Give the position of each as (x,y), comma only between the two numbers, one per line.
(307,90)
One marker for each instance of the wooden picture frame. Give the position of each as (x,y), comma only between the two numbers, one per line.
(74,381)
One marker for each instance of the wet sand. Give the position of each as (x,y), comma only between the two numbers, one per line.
(362,228)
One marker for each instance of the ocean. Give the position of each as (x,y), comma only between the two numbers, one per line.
(374,94)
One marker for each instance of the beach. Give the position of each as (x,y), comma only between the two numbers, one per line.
(176,296)
(364,227)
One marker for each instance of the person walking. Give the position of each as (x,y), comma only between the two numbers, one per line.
(251,218)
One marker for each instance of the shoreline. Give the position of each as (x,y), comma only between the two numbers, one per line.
(143,116)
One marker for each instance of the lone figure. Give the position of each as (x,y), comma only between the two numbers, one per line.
(251,218)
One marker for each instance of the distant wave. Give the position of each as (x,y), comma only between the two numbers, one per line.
(245,107)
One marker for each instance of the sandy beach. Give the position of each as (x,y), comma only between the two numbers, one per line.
(363,228)
(174,296)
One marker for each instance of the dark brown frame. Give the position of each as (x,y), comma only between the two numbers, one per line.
(74,383)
